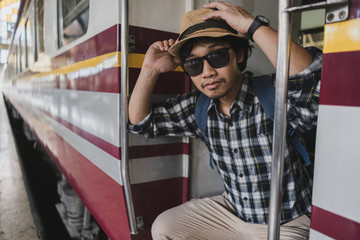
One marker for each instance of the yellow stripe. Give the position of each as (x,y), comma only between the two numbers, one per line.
(342,36)
(5,3)
(135,61)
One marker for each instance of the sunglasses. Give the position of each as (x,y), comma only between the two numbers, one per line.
(217,59)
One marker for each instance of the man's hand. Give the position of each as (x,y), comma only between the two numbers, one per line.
(237,17)
(158,59)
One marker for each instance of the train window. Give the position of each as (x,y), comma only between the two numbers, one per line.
(17,60)
(23,50)
(73,20)
(312,28)
(39,26)
(26,44)
(29,44)
(21,53)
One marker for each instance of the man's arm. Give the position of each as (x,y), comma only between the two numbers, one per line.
(157,60)
(265,37)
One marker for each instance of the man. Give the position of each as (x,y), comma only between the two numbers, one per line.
(213,50)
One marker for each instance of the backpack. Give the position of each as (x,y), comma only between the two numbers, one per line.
(265,91)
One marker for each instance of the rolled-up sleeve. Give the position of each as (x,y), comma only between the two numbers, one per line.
(303,94)
(174,117)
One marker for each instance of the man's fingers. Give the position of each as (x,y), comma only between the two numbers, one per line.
(164,45)
(171,42)
(217,5)
(213,15)
(158,45)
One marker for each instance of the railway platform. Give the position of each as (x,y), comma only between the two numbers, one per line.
(16,220)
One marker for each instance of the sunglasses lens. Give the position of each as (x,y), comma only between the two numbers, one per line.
(193,67)
(217,59)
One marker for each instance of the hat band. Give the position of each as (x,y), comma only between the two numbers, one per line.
(204,25)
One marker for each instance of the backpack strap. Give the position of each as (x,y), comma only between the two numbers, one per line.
(201,115)
(265,91)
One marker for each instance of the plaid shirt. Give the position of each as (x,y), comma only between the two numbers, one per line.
(241,145)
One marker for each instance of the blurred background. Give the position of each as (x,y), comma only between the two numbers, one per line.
(8,16)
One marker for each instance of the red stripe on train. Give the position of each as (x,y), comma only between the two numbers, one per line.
(333,225)
(106,42)
(143,151)
(340,83)
(354,9)
(107,80)
(100,143)
(170,83)
(100,44)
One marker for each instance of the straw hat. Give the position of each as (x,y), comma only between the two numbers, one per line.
(192,26)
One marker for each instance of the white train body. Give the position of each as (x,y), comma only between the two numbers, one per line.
(65,84)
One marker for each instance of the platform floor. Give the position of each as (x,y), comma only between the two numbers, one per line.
(16,221)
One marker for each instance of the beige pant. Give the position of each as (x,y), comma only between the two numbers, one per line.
(213,219)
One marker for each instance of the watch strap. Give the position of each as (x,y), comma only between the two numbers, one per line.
(254,26)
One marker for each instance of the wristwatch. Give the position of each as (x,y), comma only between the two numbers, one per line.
(258,21)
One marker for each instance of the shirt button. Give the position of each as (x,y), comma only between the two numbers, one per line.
(245,198)
(235,150)
(241,175)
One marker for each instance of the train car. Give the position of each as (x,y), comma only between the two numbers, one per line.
(63,79)
(66,79)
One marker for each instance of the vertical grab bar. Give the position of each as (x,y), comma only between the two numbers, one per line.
(124,136)
(280,123)
(282,74)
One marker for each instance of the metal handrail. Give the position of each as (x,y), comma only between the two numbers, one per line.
(319,5)
(282,74)
(124,136)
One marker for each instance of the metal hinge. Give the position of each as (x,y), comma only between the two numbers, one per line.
(140,223)
(336,10)
(131,43)
(337,13)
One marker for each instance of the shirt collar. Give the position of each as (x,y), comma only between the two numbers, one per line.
(244,100)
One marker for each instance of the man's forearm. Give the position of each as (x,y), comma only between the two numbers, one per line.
(139,105)
(267,39)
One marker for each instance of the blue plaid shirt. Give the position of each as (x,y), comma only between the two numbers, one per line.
(241,145)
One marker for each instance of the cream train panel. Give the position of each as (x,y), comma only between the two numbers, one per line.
(157,168)
(315,235)
(337,160)
(83,109)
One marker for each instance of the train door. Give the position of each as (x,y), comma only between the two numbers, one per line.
(335,210)
(162,172)
(336,191)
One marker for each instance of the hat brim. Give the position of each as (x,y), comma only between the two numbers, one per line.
(209,32)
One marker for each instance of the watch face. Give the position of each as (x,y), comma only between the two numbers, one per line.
(263,19)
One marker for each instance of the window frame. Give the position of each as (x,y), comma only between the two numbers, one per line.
(83,5)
